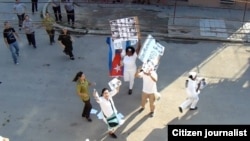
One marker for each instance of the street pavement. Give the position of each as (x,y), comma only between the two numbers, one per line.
(38,99)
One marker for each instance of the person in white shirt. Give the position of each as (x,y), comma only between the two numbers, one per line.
(129,63)
(149,87)
(4,139)
(20,9)
(193,90)
(108,107)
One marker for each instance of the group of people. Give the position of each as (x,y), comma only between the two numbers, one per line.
(24,22)
(105,100)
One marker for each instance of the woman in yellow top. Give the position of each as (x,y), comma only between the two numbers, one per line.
(48,23)
(82,89)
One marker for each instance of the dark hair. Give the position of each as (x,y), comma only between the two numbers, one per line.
(130,48)
(5,23)
(79,74)
(104,89)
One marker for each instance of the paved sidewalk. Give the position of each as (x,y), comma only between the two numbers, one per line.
(162,20)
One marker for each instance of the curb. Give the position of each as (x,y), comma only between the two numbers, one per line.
(165,35)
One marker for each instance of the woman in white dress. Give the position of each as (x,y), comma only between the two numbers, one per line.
(129,56)
(108,109)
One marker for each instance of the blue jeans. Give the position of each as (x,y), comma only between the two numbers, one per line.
(14,49)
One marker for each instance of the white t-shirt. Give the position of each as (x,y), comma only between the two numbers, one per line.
(1,138)
(106,104)
(129,62)
(149,85)
(191,87)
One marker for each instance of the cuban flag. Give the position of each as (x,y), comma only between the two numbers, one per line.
(114,58)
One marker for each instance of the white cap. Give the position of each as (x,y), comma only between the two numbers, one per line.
(193,74)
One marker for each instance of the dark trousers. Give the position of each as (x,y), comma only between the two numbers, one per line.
(71,16)
(68,51)
(31,39)
(20,20)
(34,5)
(51,34)
(86,109)
(57,12)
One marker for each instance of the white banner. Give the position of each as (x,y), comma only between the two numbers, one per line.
(151,50)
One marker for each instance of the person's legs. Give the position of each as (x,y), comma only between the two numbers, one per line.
(185,104)
(152,102)
(33,5)
(20,22)
(36,4)
(33,39)
(55,12)
(143,100)
(68,16)
(131,79)
(13,52)
(15,45)
(195,100)
(87,108)
(28,39)
(59,13)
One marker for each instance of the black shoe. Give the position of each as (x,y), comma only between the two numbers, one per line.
(151,114)
(140,110)
(89,119)
(113,135)
(83,115)
(72,58)
(34,46)
(130,91)
(195,108)
(180,109)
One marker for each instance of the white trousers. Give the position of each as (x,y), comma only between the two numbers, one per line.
(129,76)
(191,101)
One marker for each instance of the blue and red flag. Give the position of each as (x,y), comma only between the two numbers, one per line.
(114,61)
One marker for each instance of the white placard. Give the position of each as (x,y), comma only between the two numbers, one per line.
(114,83)
(151,50)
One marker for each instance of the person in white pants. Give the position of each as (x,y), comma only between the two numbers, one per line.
(192,89)
(129,63)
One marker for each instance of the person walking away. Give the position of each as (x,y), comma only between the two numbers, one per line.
(29,31)
(69,7)
(129,63)
(149,87)
(34,5)
(20,10)
(56,6)
(82,89)
(10,37)
(192,89)
(66,41)
(48,23)
(108,108)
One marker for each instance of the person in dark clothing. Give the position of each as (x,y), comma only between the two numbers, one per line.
(34,5)
(66,41)
(70,10)
(10,36)
(56,6)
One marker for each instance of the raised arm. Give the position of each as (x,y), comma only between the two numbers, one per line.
(96,96)
(138,48)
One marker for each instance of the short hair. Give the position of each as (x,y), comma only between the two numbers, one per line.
(5,23)
(130,48)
